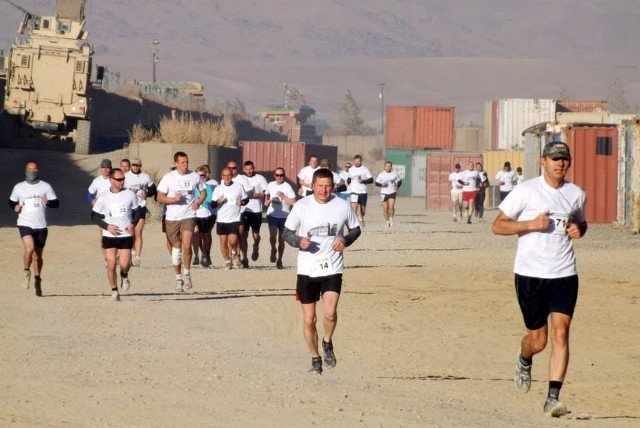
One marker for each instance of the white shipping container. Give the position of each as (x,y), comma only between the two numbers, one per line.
(593,117)
(515,115)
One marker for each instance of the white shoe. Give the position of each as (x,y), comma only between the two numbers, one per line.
(115,296)
(388,224)
(26,283)
(186,279)
(554,408)
(179,285)
(125,284)
(227,265)
(135,261)
(391,223)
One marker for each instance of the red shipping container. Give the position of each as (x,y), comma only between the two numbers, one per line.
(420,127)
(577,106)
(292,156)
(594,167)
(439,166)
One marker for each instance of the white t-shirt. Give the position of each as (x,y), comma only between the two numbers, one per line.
(321,224)
(470,178)
(259,185)
(520,178)
(453,179)
(509,178)
(29,196)
(244,182)
(547,254)
(99,185)
(306,174)
(117,209)
(173,183)
(343,176)
(279,208)
(358,172)
(229,212)
(139,184)
(392,179)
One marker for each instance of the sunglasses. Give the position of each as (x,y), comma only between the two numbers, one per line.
(201,175)
(117,179)
(233,167)
(279,175)
(135,164)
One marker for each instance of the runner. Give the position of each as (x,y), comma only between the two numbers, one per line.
(252,215)
(456,193)
(241,246)
(177,190)
(316,227)
(359,177)
(116,213)
(389,182)
(305,176)
(205,220)
(30,200)
(280,196)
(143,186)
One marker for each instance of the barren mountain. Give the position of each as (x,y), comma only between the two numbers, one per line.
(449,52)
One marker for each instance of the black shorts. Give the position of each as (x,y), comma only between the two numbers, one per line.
(205,224)
(143,212)
(39,235)
(277,222)
(538,297)
(252,220)
(309,289)
(123,243)
(385,198)
(228,228)
(361,199)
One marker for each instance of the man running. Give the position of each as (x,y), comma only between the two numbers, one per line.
(143,186)
(241,247)
(305,175)
(30,200)
(279,197)
(469,180)
(359,177)
(252,215)
(316,227)
(116,213)
(389,182)
(177,191)
(547,214)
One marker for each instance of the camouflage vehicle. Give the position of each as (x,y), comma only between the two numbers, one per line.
(48,73)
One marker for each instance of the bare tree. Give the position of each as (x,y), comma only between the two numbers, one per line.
(616,100)
(350,121)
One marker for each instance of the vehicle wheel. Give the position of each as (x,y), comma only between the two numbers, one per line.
(82,137)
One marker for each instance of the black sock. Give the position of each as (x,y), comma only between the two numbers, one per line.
(554,388)
(526,361)
(124,274)
(37,276)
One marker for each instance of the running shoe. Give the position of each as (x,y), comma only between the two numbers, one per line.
(205,262)
(186,279)
(255,254)
(245,263)
(316,365)
(272,258)
(227,265)
(388,224)
(522,376)
(279,264)
(196,260)
(179,284)
(468,220)
(26,283)
(124,284)
(329,356)
(391,223)
(115,296)
(135,261)
(455,219)
(237,264)
(554,408)
(37,284)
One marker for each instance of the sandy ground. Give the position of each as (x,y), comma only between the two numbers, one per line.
(427,336)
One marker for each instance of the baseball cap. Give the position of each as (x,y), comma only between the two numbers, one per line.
(106,163)
(136,161)
(324,163)
(457,165)
(556,151)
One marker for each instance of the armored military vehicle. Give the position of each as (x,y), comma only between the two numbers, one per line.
(48,73)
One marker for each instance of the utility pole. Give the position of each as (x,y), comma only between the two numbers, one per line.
(381,96)
(154,56)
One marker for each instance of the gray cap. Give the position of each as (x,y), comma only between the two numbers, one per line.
(106,163)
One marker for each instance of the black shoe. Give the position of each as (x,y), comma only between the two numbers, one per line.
(255,254)
(279,264)
(38,286)
(272,258)
(316,365)
(469,220)
(245,263)
(329,356)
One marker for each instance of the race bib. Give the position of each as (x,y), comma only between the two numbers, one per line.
(354,198)
(559,223)
(319,266)
(382,195)
(32,204)
(118,211)
(185,187)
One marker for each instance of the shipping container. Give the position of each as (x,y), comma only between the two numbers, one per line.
(292,156)
(515,115)
(401,160)
(418,176)
(491,122)
(593,117)
(630,174)
(419,127)
(594,167)
(581,105)
(370,147)
(468,139)
(439,166)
